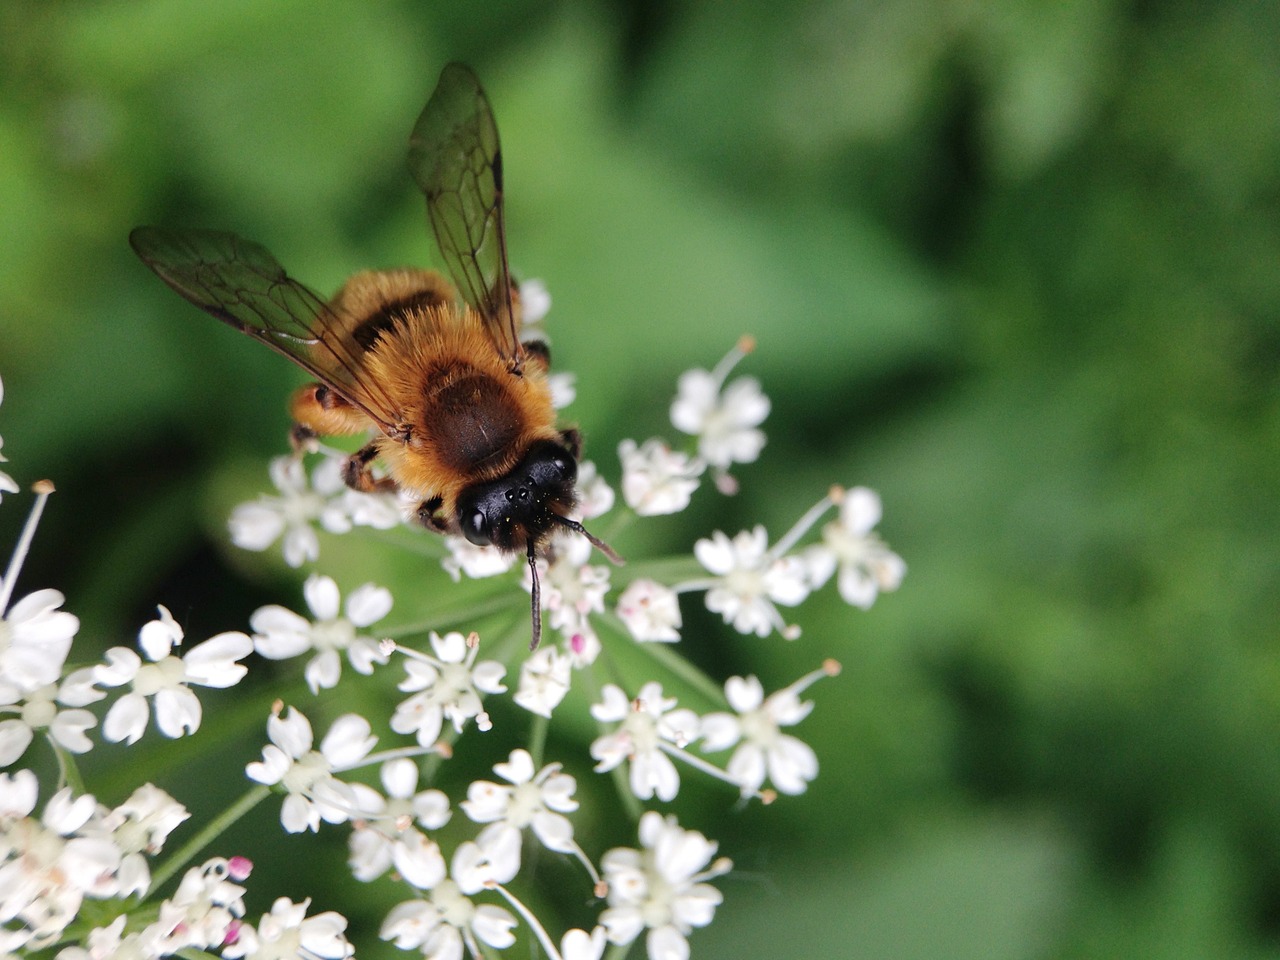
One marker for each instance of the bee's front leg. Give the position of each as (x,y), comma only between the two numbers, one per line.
(429,516)
(357,471)
(301,438)
(572,441)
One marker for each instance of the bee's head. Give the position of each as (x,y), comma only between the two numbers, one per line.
(521,506)
(518,510)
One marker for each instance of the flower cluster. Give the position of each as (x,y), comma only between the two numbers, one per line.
(77,849)
(446,851)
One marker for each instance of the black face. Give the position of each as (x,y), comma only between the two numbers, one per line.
(516,510)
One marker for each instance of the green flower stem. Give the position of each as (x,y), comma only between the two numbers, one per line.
(538,738)
(451,616)
(213,829)
(668,570)
(68,769)
(667,657)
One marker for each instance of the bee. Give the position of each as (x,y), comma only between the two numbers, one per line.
(459,407)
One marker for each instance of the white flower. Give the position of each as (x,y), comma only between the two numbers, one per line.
(544,680)
(763,751)
(314,793)
(7,484)
(446,686)
(492,858)
(287,933)
(385,836)
(661,887)
(535,302)
(380,511)
(109,942)
(475,561)
(750,580)
(563,388)
(446,921)
(257,525)
(204,912)
(595,496)
(40,711)
(650,611)
(723,418)
(138,828)
(867,566)
(167,678)
(35,638)
(280,633)
(648,728)
(655,479)
(572,589)
(50,868)
(533,799)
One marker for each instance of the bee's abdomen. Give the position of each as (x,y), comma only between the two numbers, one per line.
(393,313)
(474,423)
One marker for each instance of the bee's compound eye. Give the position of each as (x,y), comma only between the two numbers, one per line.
(476,529)
(567,467)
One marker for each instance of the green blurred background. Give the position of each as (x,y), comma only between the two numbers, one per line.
(1016,265)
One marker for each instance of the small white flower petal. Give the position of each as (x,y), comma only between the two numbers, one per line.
(213,663)
(177,711)
(368,604)
(493,925)
(348,741)
(418,860)
(666,943)
(15,737)
(322,596)
(126,720)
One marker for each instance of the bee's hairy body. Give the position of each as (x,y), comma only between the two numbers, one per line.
(466,417)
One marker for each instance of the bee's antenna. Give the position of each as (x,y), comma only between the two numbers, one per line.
(595,541)
(537,598)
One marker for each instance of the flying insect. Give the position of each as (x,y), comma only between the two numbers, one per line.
(458,406)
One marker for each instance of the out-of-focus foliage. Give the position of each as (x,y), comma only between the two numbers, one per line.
(1015,264)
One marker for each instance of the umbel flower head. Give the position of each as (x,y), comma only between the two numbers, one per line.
(726,419)
(167,679)
(661,890)
(453,878)
(648,727)
(763,752)
(313,792)
(280,633)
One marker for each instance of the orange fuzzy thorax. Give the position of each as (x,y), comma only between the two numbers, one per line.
(470,418)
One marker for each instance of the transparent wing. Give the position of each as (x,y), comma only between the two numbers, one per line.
(242,284)
(455,158)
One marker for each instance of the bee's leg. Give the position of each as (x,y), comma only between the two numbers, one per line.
(572,441)
(539,354)
(357,472)
(428,517)
(319,411)
(300,437)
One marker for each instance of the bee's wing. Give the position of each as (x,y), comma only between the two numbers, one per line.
(455,158)
(242,284)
